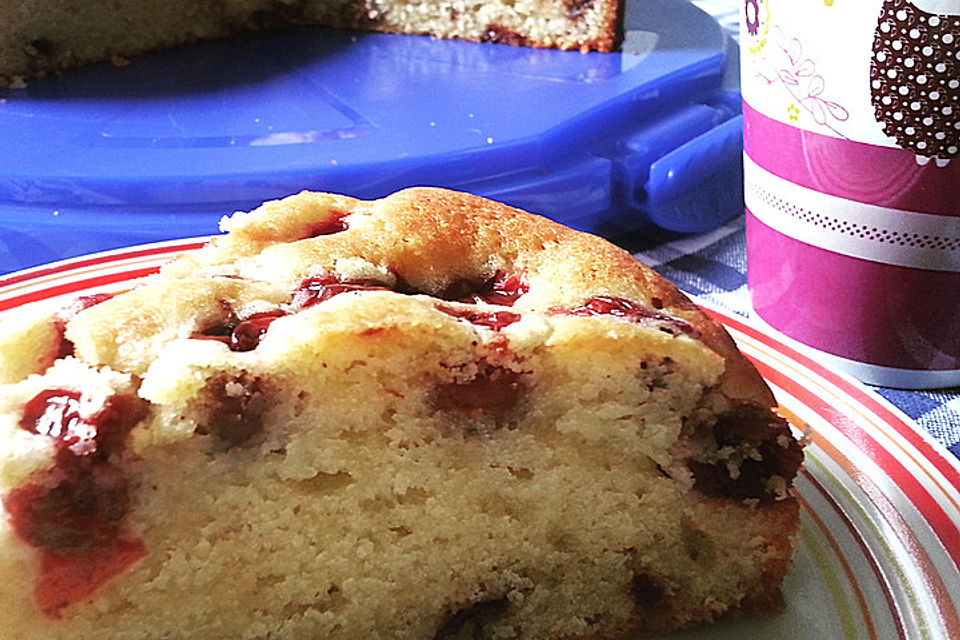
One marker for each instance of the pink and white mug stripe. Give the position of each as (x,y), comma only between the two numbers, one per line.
(852,181)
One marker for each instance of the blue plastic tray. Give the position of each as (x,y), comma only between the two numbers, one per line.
(104,157)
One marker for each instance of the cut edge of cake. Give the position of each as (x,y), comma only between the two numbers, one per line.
(42,37)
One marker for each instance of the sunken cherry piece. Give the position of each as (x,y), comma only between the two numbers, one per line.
(73,512)
(493,392)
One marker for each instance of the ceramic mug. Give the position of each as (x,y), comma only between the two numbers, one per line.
(852,181)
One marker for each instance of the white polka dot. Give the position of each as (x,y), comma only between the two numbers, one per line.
(881,56)
(947,38)
(954,84)
(876,84)
(947,111)
(927,50)
(951,150)
(956,125)
(921,145)
(903,91)
(896,44)
(934,95)
(909,131)
(898,116)
(939,135)
(914,33)
(928,121)
(901,15)
(885,27)
(921,79)
(891,73)
(934,21)
(940,68)
(908,62)
(887,100)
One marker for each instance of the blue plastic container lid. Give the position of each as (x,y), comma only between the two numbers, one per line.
(102,157)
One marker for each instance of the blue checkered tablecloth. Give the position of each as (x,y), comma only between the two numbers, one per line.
(714,266)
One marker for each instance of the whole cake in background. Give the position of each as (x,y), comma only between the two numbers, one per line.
(39,36)
(429,416)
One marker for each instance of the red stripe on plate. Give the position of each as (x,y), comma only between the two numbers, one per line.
(97,259)
(827,535)
(894,517)
(861,542)
(76,285)
(926,504)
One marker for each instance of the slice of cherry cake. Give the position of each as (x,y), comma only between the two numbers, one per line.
(430,416)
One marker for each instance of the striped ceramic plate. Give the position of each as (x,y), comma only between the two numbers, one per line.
(879,548)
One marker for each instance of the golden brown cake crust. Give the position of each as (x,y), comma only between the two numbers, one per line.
(423,232)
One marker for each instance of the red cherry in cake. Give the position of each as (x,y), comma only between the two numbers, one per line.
(323,287)
(54,413)
(502,289)
(336,222)
(494,391)
(85,302)
(64,346)
(627,309)
(241,335)
(68,579)
(495,320)
(72,512)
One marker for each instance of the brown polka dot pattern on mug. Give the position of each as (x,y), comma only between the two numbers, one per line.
(915,79)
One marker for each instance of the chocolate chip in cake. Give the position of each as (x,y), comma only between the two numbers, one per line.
(772,452)
(468,622)
(502,35)
(646,590)
(577,8)
(236,409)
